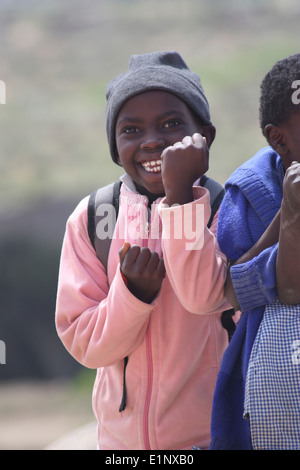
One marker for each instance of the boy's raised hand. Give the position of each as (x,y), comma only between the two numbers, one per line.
(182,164)
(144,271)
(291,191)
(288,255)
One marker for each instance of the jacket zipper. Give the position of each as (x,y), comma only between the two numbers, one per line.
(149,388)
(149,361)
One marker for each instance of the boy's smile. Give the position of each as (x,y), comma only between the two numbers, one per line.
(152,166)
(146,125)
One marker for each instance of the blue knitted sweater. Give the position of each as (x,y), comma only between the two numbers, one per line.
(253,197)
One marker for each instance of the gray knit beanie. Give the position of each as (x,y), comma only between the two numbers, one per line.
(154,71)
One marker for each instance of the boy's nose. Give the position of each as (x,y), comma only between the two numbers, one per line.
(153,142)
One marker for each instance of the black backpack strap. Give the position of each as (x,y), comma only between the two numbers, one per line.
(216,192)
(91,217)
(228,323)
(108,195)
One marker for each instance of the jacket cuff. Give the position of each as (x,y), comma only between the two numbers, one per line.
(249,287)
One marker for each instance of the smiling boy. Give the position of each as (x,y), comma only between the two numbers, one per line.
(158,304)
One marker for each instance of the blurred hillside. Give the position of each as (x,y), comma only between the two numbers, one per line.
(56,59)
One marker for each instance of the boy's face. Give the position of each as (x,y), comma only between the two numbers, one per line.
(146,125)
(285,139)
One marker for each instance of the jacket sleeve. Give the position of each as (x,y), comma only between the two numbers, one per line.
(194,263)
(239,227)
(97,324)
(255,281)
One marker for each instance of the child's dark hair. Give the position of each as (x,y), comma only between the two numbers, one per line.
(276,104)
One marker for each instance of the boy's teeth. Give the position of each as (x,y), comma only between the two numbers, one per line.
(152,166)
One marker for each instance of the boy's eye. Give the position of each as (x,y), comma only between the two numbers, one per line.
(172,123)
(130,130)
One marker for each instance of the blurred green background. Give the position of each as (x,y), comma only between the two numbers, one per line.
(56,57)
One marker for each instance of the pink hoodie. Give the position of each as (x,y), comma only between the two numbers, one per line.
(175,344)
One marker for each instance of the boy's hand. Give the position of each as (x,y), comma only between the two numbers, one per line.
(291,192)
(143,269)
(182,164)
(288,255)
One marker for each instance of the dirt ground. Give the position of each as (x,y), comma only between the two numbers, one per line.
(35,415)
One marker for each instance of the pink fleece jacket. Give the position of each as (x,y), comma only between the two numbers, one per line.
(175,344)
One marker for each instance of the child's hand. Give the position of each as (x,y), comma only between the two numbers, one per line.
(288,255)
(291,191)
(182,164)
(143,269)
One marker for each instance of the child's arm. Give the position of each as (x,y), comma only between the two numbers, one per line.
(195,266)
(269,238)
(288,257)
(250,243)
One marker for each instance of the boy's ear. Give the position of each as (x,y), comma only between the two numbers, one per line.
(209,132)
(118,161)
(276,138)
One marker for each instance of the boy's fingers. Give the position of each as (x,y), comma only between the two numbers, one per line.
(187,140)
(129,255)
(152,261)
(161,268)
(123,251)
(199,139)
